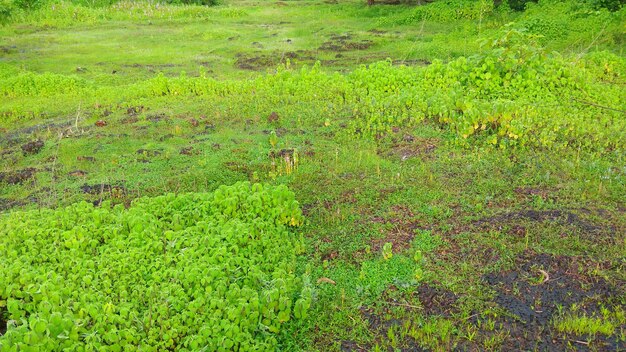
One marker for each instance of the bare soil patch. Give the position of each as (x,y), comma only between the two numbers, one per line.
(409,146)
(541,285)
(32,147)
(345,42)
(258,61)
(436,300)
(19,176)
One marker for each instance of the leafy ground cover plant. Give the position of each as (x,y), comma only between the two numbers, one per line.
(184,272)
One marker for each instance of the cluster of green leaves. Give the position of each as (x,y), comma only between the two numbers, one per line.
(450,11)
(174,272)
(513,94)
(29,84)
(606,323)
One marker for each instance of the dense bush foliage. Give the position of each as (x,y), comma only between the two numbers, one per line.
(450,10)
(175,272)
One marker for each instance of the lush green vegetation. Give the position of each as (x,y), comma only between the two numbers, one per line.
(212,270)
(312,175)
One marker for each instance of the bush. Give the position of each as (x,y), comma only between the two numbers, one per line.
(176,272)
(611,5)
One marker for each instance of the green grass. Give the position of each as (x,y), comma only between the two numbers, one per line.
(470,208)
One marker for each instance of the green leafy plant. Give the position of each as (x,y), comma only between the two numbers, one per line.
(192,271)
(387,251)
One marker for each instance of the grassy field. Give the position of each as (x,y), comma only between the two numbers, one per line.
(461,169)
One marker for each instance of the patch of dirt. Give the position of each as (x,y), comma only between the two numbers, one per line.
(344,42)
(135,110)
(348,345)
(273,117)
(16,137)
(436,300)
(99,189)
(3,320)
(258,61)
(409,146)
(563,217)
(283,153)
(90,159)
(77,173)
(6,204)
(533,292)
(190,151)
(400,237)
(8,49)
(154,118)
(411,62)
(238,167)
(33,147)
(148,153)
(400,227)
(18,177)
(377,321)
(281,131)
(150,68)
(532,191)
(377,31)
(129,120)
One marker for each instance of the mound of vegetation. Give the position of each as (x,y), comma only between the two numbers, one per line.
(175,272)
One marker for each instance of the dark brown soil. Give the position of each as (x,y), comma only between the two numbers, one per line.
(348,345)
(189,151)
(283,153)
(560,216)
(32,147)
(436,300)
(148,153)
(533,292)
(259,61)
(3,320)
(129,120)
(344,42)
(273,117)
(135,110)
(377,31)
(154,118)
(77,173)
(409,146)
(16,137)
(6,204)
(18,177)
(411,62)
(99,189)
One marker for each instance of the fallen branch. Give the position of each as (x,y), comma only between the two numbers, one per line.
(598,106)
